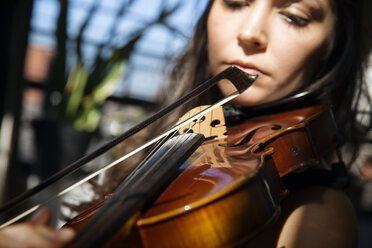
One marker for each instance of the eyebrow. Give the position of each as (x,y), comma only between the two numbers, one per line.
(316,7)
(313,2)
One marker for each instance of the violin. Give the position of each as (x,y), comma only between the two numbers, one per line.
(81,170)
(206,187)
(230,188)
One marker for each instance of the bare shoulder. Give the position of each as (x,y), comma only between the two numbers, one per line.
(318,217)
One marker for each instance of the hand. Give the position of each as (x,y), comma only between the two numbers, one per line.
(35,233)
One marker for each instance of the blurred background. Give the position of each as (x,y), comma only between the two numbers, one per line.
(76,73)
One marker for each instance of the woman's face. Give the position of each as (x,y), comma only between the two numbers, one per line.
(284,40)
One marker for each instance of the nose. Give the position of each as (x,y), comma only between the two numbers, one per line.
(253,33)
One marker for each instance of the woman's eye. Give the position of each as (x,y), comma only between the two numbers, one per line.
(296,20)
(235,4)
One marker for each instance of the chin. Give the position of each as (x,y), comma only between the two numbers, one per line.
(249,99)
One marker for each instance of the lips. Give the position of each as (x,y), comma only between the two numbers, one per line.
(247,67)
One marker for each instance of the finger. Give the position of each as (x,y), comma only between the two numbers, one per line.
(65,235)
(41,217)
(53,237)
(26,235)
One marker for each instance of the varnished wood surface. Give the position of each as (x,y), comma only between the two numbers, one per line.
(232,188)
(300,138)
(207,206)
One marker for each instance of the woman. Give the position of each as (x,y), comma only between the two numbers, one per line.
(296,45)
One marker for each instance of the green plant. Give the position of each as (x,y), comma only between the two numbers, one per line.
(85,88)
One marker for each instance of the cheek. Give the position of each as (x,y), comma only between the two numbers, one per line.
(215,44)
(297,59)
(221,36)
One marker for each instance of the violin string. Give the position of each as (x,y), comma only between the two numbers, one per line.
(135,171)
(141,170)
(167,133)
(138,168)
(130,176)
(152,151)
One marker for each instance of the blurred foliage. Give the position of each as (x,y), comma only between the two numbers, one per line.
(84,89)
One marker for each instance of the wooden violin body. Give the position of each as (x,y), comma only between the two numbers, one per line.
(207,206)
(231,187)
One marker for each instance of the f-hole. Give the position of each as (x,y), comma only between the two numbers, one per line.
(250,135)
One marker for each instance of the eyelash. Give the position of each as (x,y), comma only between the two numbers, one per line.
(234,5)
(291,19)
(295,21)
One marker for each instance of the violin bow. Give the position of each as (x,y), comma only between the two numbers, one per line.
(238,78)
